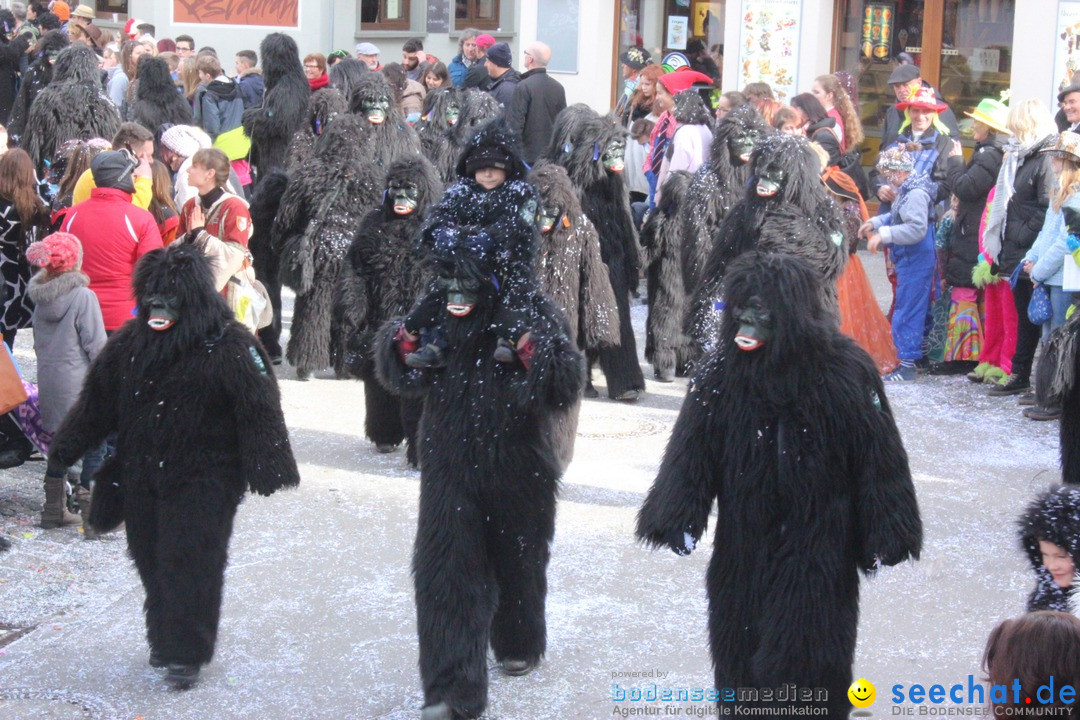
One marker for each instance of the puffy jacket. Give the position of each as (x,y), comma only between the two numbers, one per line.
(221,107)
(458,70)
(531,114)
(252,88)
(1051,246)
(970,183)
(1026,211)
(114,235)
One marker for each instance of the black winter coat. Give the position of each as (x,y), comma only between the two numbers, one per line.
(971,184)
(531,115)
(1027,207)
(502,89)
(823,132)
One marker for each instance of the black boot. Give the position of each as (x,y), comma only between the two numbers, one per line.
(181,677)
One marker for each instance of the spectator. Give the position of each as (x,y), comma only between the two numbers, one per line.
(477,76)
(189,79)
(908,233)
(130,52)
(315,71)
(177,146)
(504,79)
(220,105)
(632,61)
(756,93)
(701,61)
(832,96)
(82,16)
(663,130)
(1069,98)
(114,234)
(924,135)
(335,57)
(23,219)
(22,25)
(639,106)
(74,162)
(437,76)
(636,182)
(728,102)
(414,59)
(537,100)
(466,57)
(185,46)
(167,45)
(768,109)
(368,54)
(790,121)
(47,21)
(161,205)
(818,126)
(1021,198)
(139,141)
(249,77)
(1028,656)
(906,81)
(62,11)
(408,94)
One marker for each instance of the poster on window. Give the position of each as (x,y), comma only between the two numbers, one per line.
(265,13)
(769,45)
(1067,51)
(877,30)
(677,29)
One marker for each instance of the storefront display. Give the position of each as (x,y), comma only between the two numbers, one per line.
(769,45)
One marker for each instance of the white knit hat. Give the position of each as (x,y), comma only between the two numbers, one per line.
(185,140)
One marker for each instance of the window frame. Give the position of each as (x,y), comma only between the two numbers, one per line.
(405,23)
(472,21)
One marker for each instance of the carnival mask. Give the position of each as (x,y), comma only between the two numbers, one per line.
(403,198)
(376,110)
(452,114)
(163,312)
(461,295)
(741,146)
(755,326)
(548,217)
(770,181)
(613,157)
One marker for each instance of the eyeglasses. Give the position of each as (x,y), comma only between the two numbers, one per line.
(528,54)
(310,67)
(185,49)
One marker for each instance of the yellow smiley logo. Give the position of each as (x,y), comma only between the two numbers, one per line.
(862,693)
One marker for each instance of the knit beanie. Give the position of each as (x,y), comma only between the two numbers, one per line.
(58,253)
(61,10)
(487,156)
(183,140)
(113,169)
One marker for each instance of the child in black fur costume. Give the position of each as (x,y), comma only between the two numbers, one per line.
(320,214)
(786,208)
(1050,535)
(489,476)
(490,204)
(591,148)
(198,422)
(667,346)
(72,106)
(390,137)
(284,107)
(787,427)
(381,279)
(35,79)
(324,105)
(156,100)
(718,185)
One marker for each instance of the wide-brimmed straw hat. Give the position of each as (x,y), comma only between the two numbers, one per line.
(1067,147)
(991,113)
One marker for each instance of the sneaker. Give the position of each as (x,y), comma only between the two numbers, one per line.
(904,373)
(1026,400)
(429,356)
(440,711)
(1038,412)
(504,351)
(1015,386)
(995,376)
(628,396)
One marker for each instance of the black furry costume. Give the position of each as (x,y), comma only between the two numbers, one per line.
(717,186)
(391,138)
(156,100)
(320,214)
(488,484)
(796,444)
(667,346)
(1056,386)
(35,79)
(798,218)
(284,107)
(381,279)
(324,105)
(345,74)
(1053,516)
(580,141)
(198,422)
(73,106)
(441,140)
(265,201)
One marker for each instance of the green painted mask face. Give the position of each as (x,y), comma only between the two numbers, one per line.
(376,111)
(614,156)
(770,182)
(461,295)
(549,216)
(163,310)
(452,114)
(403,198)
(755,326)
(742,145)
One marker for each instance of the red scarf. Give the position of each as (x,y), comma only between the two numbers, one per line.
(319,82)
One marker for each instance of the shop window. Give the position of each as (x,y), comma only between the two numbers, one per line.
(105,9)
(962,47)
(479,14)
(384,14)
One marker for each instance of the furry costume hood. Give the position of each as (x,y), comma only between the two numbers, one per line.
(495,134)
(743,119)
(1053,516)
(420,171)
(154,79)
(578,141)
(802,186)
(477,107)
(51,42)
(690,109)
(280,58)
(373,87)
(325,105)
(436,103)
(556,190)
(76,63)
(344,76)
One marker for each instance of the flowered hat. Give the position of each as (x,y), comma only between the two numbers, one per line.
(1067,147)
(636,57)
(896,159)
(991,113)
(924,98)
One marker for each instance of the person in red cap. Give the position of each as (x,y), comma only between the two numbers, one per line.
(477,77)
(693,125)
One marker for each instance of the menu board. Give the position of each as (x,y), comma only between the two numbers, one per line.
(769,45)
(877,29)
(1067,50)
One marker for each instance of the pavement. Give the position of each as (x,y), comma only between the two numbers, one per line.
(318,617)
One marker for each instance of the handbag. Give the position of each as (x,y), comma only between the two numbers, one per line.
(12,392)
(1039,310)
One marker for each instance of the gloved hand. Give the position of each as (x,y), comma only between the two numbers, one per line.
(681,542)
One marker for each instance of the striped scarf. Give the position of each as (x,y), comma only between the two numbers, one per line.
(662,134)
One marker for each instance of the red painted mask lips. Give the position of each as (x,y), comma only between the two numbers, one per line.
(747,343)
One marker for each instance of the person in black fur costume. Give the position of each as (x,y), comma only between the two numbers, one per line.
(156,100)
(1056,383)
(1050,535)
(197,417)
(390,138)
(265,201)
(320,214)
(324,105)
(786,208)
(489,474)
(718,185)
(381,279)
(667,346)
(36,79)
(284,107)
(345,75)
(450,122)
(72,106)
(591,148)
(787,427)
